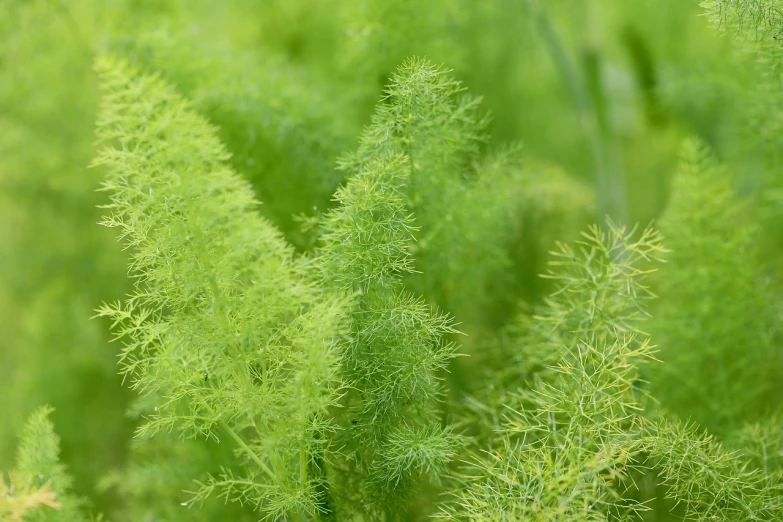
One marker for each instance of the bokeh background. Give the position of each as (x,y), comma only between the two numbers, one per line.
(600,93)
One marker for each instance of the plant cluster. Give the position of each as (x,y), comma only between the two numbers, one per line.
(330,314)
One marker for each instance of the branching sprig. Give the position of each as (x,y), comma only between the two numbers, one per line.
(600,294)
(711,482)
(575,443)
(226,331)
(574,419)
(428,118)
(39,486)
(397,349)
(755,19)
(717,300)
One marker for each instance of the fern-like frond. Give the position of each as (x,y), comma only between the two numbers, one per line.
(711,482)
(574,417)
(601,292)
(226,331)
(755,19)
(575,445)
(39,486)
(427,117)
(717,303)
(762,443)
(284,125)
(397,349)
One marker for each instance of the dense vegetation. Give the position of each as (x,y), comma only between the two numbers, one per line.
(378,261)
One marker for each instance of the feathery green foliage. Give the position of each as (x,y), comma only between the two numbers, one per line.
(759,19)
(397,348)
(317,220)
(575,416)
(206,274)
(574,444)
(716,300)
(284,133)
(761,442)
(159,479)
(39,487)
(710,482)
(426,118)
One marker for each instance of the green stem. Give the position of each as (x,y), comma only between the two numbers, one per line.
(593,114)
(247,449)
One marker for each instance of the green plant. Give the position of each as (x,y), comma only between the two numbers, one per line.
(225,333)
(315,330)
(717,286)
(39,486)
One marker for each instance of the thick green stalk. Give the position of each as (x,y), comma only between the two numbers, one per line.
(593,109)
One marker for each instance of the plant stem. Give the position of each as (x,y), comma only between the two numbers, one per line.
(592,107)
(247,449)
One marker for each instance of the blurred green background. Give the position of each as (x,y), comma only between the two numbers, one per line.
(602,92)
